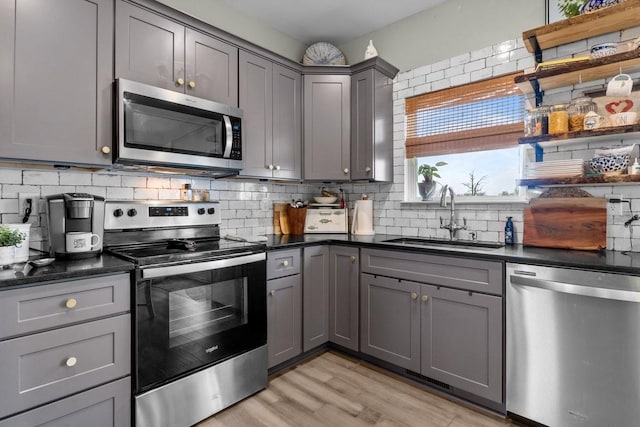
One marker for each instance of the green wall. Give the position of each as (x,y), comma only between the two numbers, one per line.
(449,29)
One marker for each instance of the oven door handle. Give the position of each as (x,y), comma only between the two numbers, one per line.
(194,267)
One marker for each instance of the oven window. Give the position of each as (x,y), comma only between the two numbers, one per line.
(159,125)
(205,310)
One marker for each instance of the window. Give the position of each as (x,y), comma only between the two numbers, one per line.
(474,129)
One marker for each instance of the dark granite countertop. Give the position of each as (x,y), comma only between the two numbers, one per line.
(613,261)
(62,269)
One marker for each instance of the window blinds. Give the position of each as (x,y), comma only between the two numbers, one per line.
(482,115)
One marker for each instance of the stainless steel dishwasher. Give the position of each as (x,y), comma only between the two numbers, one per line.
(573,346)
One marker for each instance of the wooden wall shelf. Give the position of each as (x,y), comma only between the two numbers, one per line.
(604,134)
(612,18)
(580,181)
(576,72)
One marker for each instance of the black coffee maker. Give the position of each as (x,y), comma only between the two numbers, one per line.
(76,225)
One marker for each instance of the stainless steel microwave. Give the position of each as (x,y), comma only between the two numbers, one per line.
(166,129)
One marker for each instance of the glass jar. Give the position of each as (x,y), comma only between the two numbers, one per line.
(536,121)
(577,109)
(544,110)
(558,119)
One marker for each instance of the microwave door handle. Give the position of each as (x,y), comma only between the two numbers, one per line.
(229,138)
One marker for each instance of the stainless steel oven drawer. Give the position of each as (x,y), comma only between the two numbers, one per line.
(43,367)
(32,309)
(283,263)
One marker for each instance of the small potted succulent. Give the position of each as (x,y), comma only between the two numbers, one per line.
(9,239)
(427,188)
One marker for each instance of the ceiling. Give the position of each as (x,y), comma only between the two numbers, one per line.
(333,21)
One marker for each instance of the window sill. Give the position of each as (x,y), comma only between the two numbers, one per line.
(469,201)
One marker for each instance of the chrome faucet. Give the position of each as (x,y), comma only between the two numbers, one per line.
(452,226)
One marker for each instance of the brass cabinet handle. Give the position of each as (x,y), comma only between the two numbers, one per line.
(71,303)
(192,84)
(71,361)
(270,167)
(285,263)
(180,82)
(105,149)
(277,167)
(272,293)
(367,169)
(425,298)
(345,170)
(414,295)
(352,258)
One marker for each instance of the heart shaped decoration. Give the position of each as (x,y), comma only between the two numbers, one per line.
(619,106)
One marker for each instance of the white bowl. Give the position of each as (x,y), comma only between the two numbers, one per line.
(325,200)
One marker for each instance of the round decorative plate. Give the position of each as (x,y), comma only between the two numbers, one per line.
(323,53)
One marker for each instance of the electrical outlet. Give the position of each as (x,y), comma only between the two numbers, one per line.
(615,205)
(22,203)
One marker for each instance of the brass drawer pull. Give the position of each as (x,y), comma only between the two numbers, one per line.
(71,361)
(71,303)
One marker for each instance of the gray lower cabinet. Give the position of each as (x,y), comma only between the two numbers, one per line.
(284,319)
(315,297)
(104,406)
(284,305)
(462,340)
(56,71)
(344,290)
(270,96)
(371,126)
(390,320)
(65,348)
(327,112)
(159,51)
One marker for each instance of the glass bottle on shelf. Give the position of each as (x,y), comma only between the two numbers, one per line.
(558,119)
(577,110)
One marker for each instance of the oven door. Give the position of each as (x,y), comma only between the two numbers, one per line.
(192,315)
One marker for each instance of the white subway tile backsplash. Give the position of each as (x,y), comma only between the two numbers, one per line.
(40,178)
(75,178)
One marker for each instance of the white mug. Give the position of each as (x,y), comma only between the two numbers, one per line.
(80,241)
(593,120)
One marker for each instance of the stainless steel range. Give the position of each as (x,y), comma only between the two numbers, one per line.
(200,309)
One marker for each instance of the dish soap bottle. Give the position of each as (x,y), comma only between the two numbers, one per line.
(634,169)
(508,232)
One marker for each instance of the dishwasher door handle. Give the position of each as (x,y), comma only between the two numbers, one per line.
(575,289)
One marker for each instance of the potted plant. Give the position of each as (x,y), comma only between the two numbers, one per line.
(9,238)
(428,187)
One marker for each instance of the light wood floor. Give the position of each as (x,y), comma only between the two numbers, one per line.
(332,390)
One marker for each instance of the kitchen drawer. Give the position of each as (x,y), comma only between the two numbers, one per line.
(43,367)
(461,273)
(47,306)
(283,263)
(105,406)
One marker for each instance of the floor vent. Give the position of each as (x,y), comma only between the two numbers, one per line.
(421,378)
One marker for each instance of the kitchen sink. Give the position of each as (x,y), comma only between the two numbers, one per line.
(410,241)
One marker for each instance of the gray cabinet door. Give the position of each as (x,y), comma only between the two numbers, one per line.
(212,66)
(371,126)
(287,123)
(390,320)
(149,48)
(105,406)
(43,367)
(343,296)
(56,70)
(256,99)
(315,296)
(284,319)
(462,340)
(326,127)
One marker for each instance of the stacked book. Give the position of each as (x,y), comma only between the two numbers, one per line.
(555,169)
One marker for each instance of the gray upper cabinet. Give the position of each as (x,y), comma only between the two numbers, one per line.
(390,320)
(158,51)
(371,126)
(327,112)
(270,96)
(343,296)
(462,340)
(315,297)
(56,70)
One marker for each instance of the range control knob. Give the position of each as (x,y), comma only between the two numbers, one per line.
(132,212)
(118,213)
(211,211)
(201,211)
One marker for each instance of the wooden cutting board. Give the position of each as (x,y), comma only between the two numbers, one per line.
(280,219)
(569,223)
